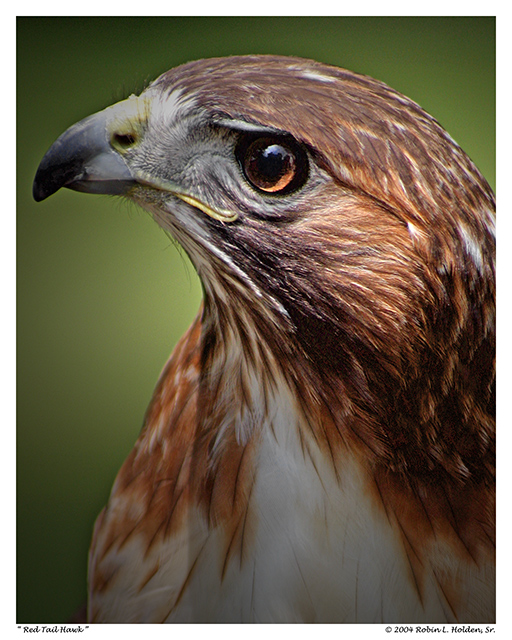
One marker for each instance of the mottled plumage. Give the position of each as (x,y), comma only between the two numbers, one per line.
(320,445)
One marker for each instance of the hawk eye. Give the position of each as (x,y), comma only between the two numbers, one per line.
(273,164)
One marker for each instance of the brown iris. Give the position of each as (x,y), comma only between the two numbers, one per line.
(273,165)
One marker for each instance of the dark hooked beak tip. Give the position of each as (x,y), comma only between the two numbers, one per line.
(82,159)
(51,176)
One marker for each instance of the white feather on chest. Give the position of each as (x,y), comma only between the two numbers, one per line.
(316,550)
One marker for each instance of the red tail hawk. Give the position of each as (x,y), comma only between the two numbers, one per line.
(320,445)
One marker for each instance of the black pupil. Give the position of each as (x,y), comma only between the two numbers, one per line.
(270,166)
(272,163)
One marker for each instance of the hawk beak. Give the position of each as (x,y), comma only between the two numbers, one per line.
(83,159)
(90,157)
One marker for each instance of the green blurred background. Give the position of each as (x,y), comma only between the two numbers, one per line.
(103,294)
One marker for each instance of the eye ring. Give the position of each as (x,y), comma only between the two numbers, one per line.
(275,165)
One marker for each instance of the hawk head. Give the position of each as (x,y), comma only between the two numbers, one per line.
(345,244)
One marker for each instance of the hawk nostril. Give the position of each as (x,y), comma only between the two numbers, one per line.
(124,140)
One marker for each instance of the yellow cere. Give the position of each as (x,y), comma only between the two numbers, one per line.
(126,122)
